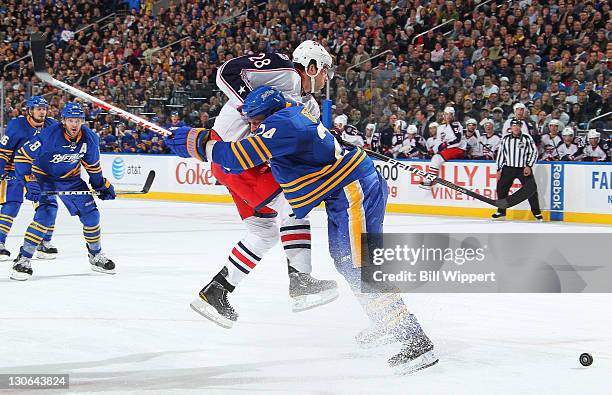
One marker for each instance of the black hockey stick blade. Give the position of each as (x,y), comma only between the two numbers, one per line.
(145,189)
(521,195)
(37,48)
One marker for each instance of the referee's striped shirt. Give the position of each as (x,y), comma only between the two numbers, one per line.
(518,151)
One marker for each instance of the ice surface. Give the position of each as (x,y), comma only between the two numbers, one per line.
(135,333)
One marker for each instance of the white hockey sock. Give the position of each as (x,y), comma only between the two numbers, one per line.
(295,236)
(241,261)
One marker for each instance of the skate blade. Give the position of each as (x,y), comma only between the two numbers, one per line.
(307,302)
(209,312)
(102,270)
(5,258)
(44,255)
(18,276)
(423,362)
(381,341)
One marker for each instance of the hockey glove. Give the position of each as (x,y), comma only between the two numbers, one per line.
(32,188)
(188,142)
(106,191)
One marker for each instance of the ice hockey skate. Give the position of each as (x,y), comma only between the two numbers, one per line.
(374,336)
(308,292)
(5,254)
(22,270)
(212,304)
(100,263)
(45,250)
(416,354)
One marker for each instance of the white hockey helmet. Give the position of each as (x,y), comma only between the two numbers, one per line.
(340,121)
(568,131)
(412,129)
(555,122)
(310,50)
(371,126)
(401,125)
(519,105)
(449,110)
(487,121)
(593,134)
(471,121)
(434,125)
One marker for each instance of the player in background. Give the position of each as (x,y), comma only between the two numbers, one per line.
(568,148)
(596,150)
(254,190)
(413,145)
(346,132)
(433,143)
(489,140)
(52,161)
(399,134)
(552,140)
(452,145)
(472,136)
(526,127)
(175,121)
(372,138)
(18,131)
(312,167)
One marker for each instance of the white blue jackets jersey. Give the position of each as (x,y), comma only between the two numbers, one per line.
(306,159)
(51,155)
(18,131)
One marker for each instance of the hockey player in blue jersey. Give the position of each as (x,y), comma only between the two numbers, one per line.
(51,161)
(18,131)
(311,167)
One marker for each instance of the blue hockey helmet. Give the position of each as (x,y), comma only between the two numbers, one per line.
(73,110)
(263,100)
(37,101)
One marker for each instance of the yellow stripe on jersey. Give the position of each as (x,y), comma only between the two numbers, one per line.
(88,166)
(254,144)
(24,153)
(38,170)
(331,182)
(5,157)
(237,154)
(263,146)
(8,151)
(75,171)
(243,151)
(3,187)
(317,175)
(5,217)
(356,214)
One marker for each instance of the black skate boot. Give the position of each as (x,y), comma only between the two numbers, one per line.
(308,292)
(21,269)
(5,254)
(416,354)
(100,263)
(374,336)
(212,301)
(46,250)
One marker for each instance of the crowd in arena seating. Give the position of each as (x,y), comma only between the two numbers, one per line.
(552,56)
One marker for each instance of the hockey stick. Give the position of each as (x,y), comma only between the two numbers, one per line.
(37,46)
(145,189)
(522,194)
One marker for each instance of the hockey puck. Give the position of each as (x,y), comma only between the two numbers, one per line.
(586,359)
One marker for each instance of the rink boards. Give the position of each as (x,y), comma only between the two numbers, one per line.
(571,192)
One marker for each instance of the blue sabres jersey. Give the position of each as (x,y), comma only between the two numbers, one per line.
(18,131)
(305,158)
(51,155)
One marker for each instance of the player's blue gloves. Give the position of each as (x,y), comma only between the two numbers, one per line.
(188,142)
(32,188)
(106,191)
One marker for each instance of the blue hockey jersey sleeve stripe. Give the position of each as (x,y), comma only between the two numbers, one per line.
(263,146)
(237,155)
(317,175)
(246,155)
(254,144)
(22,153)
(331,182)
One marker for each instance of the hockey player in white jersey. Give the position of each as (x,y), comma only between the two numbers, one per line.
(472,137)
(489,140)
(568,148)
(258,197)
(595,150)
(345,132)
(413,145)
(433,142)
(551,140)
(526,127)
(452,145)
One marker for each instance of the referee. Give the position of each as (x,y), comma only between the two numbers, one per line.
(515,159)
